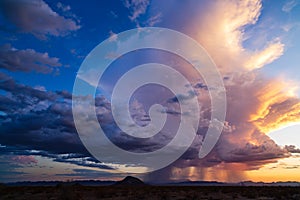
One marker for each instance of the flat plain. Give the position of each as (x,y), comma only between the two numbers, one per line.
(80,192)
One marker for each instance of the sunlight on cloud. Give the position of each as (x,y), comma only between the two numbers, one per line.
(266,56)
(222,34)
(260,138)
(222,31)
(278,106)
(256,104)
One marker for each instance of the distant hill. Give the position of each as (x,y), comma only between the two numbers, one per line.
(130,180)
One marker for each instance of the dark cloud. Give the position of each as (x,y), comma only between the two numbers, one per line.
(292,149)
(243,145)
(87,174)
(201,85)
(4,77)
(82,161)
(251,152)
(64,94)
(24,160)
(93,174)
(10,170)
(26,60)
(39,122)
(182,97)
(37,18)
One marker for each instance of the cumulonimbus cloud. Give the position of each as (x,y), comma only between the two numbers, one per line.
(255,104)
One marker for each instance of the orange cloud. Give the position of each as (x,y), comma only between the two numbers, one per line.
(277,107)
(255,104)
(266,56)
(221,31)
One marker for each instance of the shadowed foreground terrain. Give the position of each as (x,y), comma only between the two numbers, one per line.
(66,192)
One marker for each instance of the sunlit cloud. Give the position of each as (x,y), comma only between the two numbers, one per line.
(37,127)
(255,104)
(266,56)
(278,106)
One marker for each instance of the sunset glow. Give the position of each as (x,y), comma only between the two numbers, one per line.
(253,44)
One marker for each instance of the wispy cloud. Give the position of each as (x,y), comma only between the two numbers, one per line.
(272,52)
(63,7)
(137,9)
(289,5)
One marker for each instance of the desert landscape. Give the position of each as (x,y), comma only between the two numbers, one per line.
(133,188)
(149,99)
(148,192)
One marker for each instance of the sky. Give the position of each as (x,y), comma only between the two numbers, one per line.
(254,44)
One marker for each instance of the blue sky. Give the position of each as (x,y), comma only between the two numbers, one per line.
(97,22)
(255,45)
